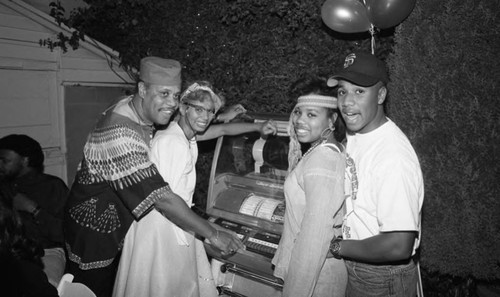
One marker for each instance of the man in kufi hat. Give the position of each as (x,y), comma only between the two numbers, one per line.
(116,182)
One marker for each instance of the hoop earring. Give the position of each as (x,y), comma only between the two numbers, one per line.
(327,132)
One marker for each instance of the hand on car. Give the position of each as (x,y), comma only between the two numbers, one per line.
(231,112)
(269,127)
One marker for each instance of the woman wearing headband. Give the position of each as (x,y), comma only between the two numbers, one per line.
(159,258)
(314,198)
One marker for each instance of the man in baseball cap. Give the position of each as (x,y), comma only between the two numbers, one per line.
(362,69)
(384,186)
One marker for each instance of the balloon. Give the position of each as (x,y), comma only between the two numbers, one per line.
(346,16)
(388,13)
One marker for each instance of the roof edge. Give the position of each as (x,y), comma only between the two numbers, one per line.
(49,22)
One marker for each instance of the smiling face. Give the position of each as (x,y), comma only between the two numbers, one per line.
(196,115)
(310,121)
(159,102)
(362,107)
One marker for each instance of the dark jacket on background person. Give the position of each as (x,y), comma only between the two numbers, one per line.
(23,278)
(50,193)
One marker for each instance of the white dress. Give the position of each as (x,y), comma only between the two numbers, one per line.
(159,258)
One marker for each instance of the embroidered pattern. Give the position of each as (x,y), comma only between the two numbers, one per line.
(349,60)
(87,266)
(346,231)
(351,177)
(108,221)
(85,215)
(117,155)
(113,177)
(351,189)
(152,198)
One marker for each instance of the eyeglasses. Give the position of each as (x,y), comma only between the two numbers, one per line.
(200,109)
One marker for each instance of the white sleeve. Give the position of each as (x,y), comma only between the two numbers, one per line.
(170,154)
(398,196)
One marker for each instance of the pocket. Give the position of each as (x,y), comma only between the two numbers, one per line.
(370,280)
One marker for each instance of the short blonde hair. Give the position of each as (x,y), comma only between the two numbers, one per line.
(196,92)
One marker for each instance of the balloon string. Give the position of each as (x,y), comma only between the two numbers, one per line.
(372,33)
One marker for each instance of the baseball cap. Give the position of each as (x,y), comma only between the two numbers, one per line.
(159,71)
(362,69)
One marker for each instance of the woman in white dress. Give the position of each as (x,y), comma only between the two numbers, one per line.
(159,258)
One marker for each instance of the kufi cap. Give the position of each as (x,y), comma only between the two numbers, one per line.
(362,69)
(159,71)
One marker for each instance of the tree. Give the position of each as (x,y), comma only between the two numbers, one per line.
(252,50)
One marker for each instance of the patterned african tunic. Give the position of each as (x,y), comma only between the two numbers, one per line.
(116,183)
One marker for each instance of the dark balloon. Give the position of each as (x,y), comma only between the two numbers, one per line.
(388,13)
(346,16)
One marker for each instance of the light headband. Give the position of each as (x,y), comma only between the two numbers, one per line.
(196,87)
(317,100)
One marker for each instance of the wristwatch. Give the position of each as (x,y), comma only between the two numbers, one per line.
(335,247)
(35,211)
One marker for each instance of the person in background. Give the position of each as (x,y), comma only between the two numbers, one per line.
(21,266)
(117,183)
(159,258)
(38,197)
(314,197)
(384,186)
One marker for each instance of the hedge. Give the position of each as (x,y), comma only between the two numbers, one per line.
(445,74)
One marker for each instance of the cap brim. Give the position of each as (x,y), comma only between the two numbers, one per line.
(332,82)
(353,77)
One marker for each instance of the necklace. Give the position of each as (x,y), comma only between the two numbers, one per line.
(141,121)
(313,146)
(149,128)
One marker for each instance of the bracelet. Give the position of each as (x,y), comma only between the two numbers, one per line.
(217,235)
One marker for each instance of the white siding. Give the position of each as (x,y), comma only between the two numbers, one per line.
(33,78)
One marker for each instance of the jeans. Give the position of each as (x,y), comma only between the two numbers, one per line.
(332,280)
(366,280)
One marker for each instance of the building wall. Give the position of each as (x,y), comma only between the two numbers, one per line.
(82,107)
(33,79)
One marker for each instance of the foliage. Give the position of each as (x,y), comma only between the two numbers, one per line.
(252,50)
(436,284)
(445,71)
(62,41)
